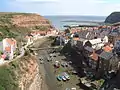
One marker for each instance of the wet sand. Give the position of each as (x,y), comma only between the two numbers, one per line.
(48,77)
(47,71)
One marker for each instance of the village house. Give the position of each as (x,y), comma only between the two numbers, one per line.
(101,61)
(29,39)
(9,47)
(108,62)
(93,51)
(93,60)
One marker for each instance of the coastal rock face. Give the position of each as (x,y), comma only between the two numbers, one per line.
(30,76)
(113,18)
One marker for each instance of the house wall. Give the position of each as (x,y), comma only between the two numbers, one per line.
(103,66)
(93,64)
(4,44)
(118,78)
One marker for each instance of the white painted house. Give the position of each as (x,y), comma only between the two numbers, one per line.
(9,46)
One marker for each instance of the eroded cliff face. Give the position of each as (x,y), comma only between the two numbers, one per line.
(29,70)
(30,21)
(28,74)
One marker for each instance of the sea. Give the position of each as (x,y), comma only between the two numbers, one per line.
(60,21)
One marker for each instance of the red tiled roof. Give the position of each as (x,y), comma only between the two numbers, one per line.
(94,56)
(75,38)
(11,41)
(8,49)
(107,48)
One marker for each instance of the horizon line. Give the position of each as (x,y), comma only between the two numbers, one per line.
(77,15)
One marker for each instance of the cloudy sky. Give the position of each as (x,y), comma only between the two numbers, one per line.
(61,7)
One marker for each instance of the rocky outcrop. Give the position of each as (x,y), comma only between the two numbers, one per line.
(113,18)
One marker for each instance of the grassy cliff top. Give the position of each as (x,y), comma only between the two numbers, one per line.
(14,24)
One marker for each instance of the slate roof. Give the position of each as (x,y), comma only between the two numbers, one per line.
(99,51)
(106,55)
(95,41)
(103,34)
(91,35)
(79,45)
(89,49)
(114,34)
(83,34)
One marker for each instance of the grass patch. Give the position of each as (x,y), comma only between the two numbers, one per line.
(8,80)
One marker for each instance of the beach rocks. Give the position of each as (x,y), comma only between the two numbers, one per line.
(113,18)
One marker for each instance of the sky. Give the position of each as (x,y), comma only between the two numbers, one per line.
(61,7)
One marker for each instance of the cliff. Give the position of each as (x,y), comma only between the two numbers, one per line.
(20,74)
(113,18)
(13,24)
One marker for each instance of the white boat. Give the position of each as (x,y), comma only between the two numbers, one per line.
(63,77)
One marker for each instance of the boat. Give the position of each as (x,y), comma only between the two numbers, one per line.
(59,78)
(67,89)
(66,76)
(63,78)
